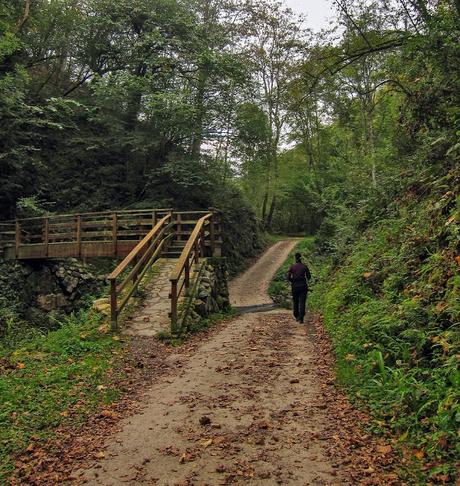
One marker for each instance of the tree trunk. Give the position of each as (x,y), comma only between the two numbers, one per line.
(268,223)
(197,137)
(264,206)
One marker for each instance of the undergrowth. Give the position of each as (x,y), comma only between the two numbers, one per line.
(392,309)
(52,379)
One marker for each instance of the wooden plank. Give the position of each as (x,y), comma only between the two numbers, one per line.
(173,306)
(212,233)
(137,267)
(62,236)
(115,232)
(96,213)
(139,278)
(113,305)
(17,237)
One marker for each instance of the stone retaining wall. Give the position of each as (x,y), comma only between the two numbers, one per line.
(212,292)
(41,290)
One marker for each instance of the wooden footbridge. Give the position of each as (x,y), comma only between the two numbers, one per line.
(139,237)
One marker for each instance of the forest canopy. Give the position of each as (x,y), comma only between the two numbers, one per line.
(140,103)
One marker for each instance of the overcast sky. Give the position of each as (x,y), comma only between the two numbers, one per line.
(316,11)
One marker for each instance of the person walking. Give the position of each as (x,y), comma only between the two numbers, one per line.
(299,275)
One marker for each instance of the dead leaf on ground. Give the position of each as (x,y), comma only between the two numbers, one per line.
(419,454)
(384,449)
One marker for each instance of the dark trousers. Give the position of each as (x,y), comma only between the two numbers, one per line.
(299,298)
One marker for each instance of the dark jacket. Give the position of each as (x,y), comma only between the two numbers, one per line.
(298,275)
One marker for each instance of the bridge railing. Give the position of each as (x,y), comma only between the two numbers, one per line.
(203,236)
(124,280)
(80,235)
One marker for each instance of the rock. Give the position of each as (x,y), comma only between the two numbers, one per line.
(40,291)
(102,306)
(205,420)
(203,294)
(51,302)
(200,308)
(103,300)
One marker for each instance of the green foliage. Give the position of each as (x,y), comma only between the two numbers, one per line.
(51,379)
(392,310)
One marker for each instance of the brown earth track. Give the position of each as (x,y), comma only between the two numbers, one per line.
(250,288)
(251,401)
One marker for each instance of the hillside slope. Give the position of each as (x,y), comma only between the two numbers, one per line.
(392,307)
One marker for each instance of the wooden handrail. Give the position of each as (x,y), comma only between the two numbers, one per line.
(47,236)
(178,269)
(143,255)
(127,212)
(194,247)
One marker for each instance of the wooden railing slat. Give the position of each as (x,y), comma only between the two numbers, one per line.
(144,254)
(135,251)
(194,248)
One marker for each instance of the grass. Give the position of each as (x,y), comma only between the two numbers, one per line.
(392,311)
(52,379)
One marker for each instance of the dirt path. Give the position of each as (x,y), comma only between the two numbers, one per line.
(250,288)
(253,403)
(254,385)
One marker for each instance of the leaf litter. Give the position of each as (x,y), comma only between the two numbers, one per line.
(277,423)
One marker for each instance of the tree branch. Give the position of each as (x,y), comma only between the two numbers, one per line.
(77,85)
(24,18)
(355,25)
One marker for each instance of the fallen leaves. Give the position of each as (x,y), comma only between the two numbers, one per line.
(362,461)
(384,449)
(207,443)
(419,454)
(109,414)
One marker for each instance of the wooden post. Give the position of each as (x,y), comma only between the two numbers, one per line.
(212,233)
(173,306)
(187,273)
(46,236)
(154,218)
(113,305)
(115,233)
(17,238)
(79,235)
(203,242)
(178,228)
(215,232)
